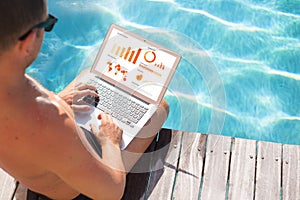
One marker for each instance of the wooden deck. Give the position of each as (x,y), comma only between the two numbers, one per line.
(210,167)
(182,165)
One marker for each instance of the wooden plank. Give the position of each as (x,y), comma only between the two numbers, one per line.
(268,176)
(7,185)
(291,172)
(162,179)
(190,166)
(216,167)
(242,170)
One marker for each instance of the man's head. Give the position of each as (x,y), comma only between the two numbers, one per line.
(17,18)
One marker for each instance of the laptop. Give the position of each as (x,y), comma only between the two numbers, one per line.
(131,75)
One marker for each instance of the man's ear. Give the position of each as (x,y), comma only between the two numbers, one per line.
(26,46)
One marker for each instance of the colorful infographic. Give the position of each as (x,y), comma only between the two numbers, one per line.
(135,63)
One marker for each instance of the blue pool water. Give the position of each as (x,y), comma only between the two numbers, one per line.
(240,71)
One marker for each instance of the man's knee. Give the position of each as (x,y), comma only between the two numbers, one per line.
(165,106)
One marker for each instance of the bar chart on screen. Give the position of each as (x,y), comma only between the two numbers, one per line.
(145,59)
(127,53)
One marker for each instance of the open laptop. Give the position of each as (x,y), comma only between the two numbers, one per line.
(131,75)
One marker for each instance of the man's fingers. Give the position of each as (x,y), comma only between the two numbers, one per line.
(80,108)
(103,117)
(79,94)
(87,92)
(110,130)
(93,128)
(83,86)
(96,131)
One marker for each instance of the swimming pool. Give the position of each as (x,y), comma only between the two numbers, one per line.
(240,71)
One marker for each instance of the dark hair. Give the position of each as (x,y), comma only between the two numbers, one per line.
(17,17)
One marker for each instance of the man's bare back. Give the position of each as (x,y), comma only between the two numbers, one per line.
(27,116)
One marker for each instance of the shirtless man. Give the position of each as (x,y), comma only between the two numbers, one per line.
(40,144)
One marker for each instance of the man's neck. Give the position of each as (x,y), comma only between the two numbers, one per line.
(12,78)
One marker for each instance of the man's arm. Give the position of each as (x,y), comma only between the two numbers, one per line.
(72,158)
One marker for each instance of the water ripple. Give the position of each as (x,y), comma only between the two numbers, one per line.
(284,74)
(235,26)
(269,10)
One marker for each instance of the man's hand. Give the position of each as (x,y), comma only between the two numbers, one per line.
(71,95)
(109,131)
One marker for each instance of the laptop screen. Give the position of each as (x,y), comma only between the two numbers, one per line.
(135,64)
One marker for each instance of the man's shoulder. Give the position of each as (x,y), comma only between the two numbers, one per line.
(54,113)
(48,114)
(47,102)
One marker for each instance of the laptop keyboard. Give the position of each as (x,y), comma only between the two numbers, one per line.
(119,106)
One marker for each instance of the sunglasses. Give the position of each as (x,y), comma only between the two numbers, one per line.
(47,25)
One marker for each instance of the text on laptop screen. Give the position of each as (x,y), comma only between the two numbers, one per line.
(135,63)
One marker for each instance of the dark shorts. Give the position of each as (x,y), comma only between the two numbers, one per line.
(35,196)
